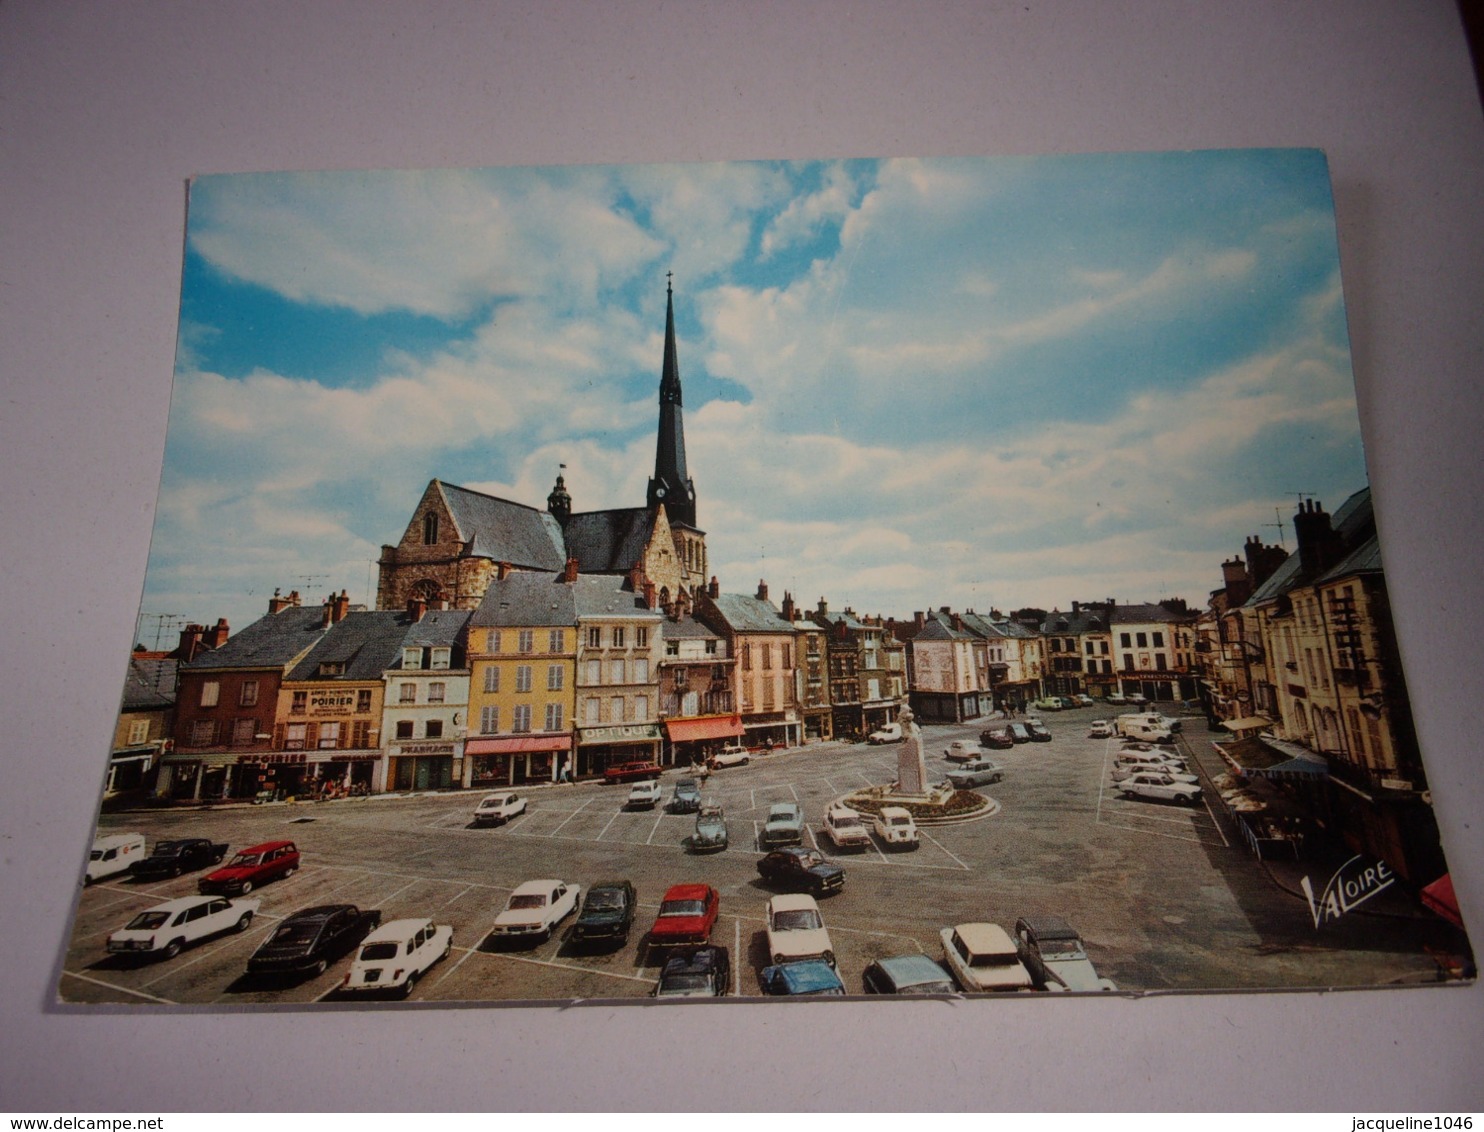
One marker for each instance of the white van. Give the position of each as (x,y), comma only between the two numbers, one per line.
(114,854)
(1146,726)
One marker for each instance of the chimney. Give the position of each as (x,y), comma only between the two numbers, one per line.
(651,595)
(824,608)
(1318,546)
(342,606)
(636,578)
(919,619)
(502,571)
(217,635)
(788,606)
(1076,607)
(190,642)
(569,575)
(958,623)
(714,589)
(945,609)
(327,614)
(762,590)
(416,607)
(278,603)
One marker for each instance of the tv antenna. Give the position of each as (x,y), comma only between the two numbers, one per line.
(162,621)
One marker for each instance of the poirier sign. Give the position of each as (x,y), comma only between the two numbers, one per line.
(331,703)
(1348,889)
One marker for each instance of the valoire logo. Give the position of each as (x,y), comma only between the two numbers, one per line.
(1344,893)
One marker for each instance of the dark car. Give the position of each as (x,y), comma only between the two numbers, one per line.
(687,797)
(251,867)
(1038,730)
(171,858)
(800,868)
(1018,733)
(607,914)
(705,972)
(996,737)
(807,977)
(306,942)
(907,974)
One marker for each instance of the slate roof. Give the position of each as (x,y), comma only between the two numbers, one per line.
(609,542)
(940,629)
(1078,622)
(744,613)
(603,595)
(366,642)
(504,531)
(269,642)
(438,627)
(1365,559)
(983,626)
(846,618)
(526,600)
(157,672)
(1353,520)
(687,628)
(141,693)
(1144,613)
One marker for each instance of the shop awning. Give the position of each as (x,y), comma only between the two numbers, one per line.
(705,727)
(1247,723)
(518,746)
(205,758)
(1439,897)
(1271,759)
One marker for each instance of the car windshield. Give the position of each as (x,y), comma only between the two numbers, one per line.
(244,859)
(1062,949)
(604,900)
(783,813)
(296,933)
(796,920)
(534,901)
(847,821)
(166,849)
(680,984)
(375,951)
(147,921)
(682,908)
(899,821)
(96,855)
(993,959)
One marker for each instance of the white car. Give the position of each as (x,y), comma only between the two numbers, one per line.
(396,955)
(114,854)
(1122,771)
(796,930)
(891,733)
(846,828)
(644,796)
(1140,760)
(499,808)
(1100,729)
(1158,785)
(535,909)
(166,928)
(982,957)
(729,756)
(895,826)
(962,750)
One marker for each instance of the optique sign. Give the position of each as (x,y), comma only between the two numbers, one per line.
(1347,890)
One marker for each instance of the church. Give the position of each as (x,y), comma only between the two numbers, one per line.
(459,540)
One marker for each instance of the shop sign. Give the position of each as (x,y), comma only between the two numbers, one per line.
(1351,886)
(424,749)
(626,733)
(332,702)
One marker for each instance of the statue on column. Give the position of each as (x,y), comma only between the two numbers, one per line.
(911,768)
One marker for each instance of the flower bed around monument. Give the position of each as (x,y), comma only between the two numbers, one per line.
(956,806)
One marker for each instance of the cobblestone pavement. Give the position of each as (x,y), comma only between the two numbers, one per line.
(1166,897)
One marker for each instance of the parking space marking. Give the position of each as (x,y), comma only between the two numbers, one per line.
(940,845)
(611,820)
(208,952)
(125,895)
(468,951)
(122,990)
(572,815)
(456,895)
(570,967)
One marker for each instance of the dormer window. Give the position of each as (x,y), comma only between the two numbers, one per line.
(440,658)
(412,658)
(332,668)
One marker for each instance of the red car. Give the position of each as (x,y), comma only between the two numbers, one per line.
(630,772)
(686,917)
(251,867)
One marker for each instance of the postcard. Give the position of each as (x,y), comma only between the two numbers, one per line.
(941,576)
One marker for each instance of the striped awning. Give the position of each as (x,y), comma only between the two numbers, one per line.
(704,727)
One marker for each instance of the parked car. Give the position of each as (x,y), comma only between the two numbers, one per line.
(784,825)
(962,750)
(686,797)
(1052,952)
(1117,698)
(796,930)
(1100,729)
(796,867)
(891,733)
(499,807)
(112,855)
(1158,786)
(710,835)
(1038,730)
(162,931)
(171,858)
(306,942)
(251,867)
(975,772)
(846,828)
(1084,700)
(1048,703)
(1138,699)
(997,738)
(607,914)
(811,977)
(729,756)
(534,910)
(396,955)
(1151,760)
(982,957)
(643,796)
(630,772)
(907,974)
(895,827)
(1122,771)
(1018,733)
(686,916)
(705,972)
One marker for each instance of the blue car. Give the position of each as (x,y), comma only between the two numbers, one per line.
(808,976)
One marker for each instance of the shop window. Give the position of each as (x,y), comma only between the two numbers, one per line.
(293,736)
(210,691)
(437,690)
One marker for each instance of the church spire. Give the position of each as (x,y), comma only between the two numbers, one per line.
(671,485)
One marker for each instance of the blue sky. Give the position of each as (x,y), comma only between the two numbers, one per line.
(908,383)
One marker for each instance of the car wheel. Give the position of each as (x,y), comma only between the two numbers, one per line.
(243,921)
(172,949)
(246,887)
(409,984)
(217,860)
(319,966)
(175,872)
(829,957)
(744,762)
(290,871)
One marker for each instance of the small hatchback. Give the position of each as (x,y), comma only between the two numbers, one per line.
(396,955)
(499,808)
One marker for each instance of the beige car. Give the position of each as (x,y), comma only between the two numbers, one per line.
(982,957)
(895,827)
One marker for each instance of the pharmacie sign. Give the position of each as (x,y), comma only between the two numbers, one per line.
(1352,884)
